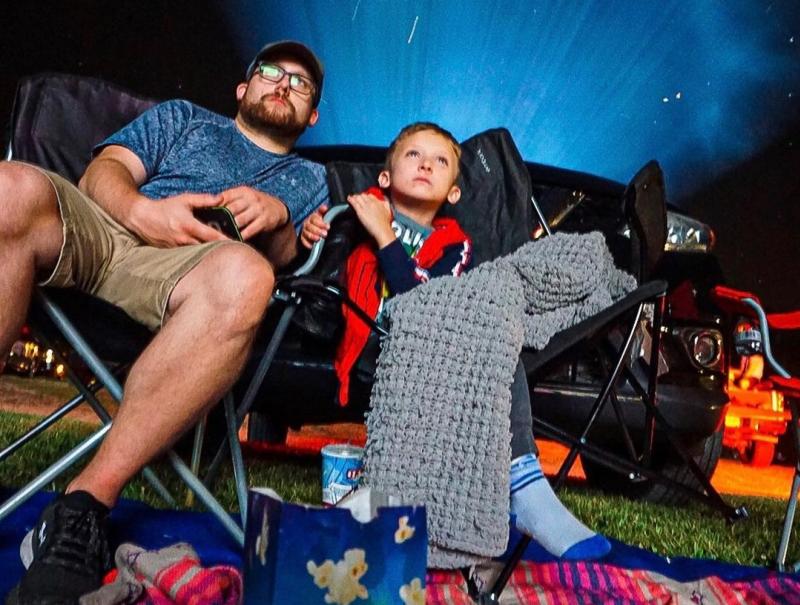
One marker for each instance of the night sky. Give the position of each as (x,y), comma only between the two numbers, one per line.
(710,88)
(597,86)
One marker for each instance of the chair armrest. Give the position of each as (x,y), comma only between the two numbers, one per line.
(316,249)
(312,286)
(733,302)
(788,386)
(784,321)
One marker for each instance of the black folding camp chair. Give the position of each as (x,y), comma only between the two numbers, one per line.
(301,365)
(611,334)
(499,212)
(645,209)
(57,120)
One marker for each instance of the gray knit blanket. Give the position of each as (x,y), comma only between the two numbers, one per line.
(438,430)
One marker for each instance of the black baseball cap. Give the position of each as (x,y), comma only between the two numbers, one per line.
(299,51)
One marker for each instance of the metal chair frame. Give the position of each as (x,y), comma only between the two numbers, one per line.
(748,305)
(636,466)
(104,378)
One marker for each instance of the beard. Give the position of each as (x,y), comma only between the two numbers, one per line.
(272,118)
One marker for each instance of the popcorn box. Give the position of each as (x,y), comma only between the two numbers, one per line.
(367,549)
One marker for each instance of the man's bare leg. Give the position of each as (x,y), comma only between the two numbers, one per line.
(214,312)
(30,241)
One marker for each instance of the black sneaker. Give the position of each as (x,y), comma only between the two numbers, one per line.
(70,553)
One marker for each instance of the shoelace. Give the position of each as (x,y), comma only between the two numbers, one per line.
(76,542)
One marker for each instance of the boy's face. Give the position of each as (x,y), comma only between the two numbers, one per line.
(423,171)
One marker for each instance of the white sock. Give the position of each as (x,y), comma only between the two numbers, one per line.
(540,514)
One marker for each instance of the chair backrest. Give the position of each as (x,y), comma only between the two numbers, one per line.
(495,208)
(58,118)
(56,121)
(646,210)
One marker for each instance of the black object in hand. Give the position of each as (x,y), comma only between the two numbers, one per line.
(221,219)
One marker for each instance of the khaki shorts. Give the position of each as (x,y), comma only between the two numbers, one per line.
(101,257)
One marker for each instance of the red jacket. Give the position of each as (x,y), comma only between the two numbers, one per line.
(448,246)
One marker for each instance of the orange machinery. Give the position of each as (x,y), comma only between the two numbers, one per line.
(756,417)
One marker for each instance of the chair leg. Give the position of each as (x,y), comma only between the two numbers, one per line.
(205,496)
(87,391)
(493,596)
(254,386)
(655,352)
(655,419)
(710,496)
(197,452)
(80,346)
(598,404)
(622,422)
(115,389)
(40,482)
(41,426)
(97,367)
(239,472)
(791,505)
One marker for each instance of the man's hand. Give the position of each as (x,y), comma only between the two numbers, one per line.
(314,227)
(113,179)
(376,216)
(170,222)
(255,211)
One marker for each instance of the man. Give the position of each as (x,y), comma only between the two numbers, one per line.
(130,237)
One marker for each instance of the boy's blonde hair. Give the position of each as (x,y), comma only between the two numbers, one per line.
(420,127)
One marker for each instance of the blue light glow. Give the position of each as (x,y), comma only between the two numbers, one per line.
(597,86)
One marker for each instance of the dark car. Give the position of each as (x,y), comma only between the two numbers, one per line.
(691,390)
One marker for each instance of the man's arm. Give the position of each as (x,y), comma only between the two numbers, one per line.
(112,180)
(279,246)
(265,221)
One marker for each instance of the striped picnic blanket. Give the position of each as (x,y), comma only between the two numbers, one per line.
(568,583)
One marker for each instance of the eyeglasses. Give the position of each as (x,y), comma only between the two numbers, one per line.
(274,73)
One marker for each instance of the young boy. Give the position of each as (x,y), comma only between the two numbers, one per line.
(410,245)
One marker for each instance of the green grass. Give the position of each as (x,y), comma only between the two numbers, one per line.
(690,531)
(295,479)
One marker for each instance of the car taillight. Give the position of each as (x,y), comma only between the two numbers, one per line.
(704,346)
(707,348)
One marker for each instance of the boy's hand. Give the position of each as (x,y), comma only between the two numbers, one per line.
(376,216)
(314,227)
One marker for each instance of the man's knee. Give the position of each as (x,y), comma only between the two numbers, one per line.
(26,195)
(238,282)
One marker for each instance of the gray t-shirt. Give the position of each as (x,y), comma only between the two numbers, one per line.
(185,148)
(410,233)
